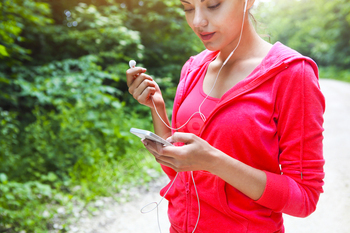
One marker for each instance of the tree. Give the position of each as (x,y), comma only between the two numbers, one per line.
(76,66)
(317,28)
(15,15)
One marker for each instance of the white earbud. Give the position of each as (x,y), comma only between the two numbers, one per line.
(132,63)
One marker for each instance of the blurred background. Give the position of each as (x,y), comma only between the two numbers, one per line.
(65,112)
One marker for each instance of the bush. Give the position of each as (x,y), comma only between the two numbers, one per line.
(77,134)
(65,112)
(332,72)
(24,202)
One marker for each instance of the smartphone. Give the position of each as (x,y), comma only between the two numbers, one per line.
(144,134)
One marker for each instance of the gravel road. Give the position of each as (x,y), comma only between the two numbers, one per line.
(333,211)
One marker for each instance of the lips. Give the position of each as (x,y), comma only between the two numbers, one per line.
(207,35)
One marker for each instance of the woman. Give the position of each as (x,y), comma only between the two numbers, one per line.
(248,125)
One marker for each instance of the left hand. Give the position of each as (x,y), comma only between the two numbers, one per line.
(196,154)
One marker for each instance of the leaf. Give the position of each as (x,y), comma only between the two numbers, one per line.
(4,80)
(3,178)
(3,51)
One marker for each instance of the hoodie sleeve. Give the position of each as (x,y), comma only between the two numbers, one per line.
(301,107)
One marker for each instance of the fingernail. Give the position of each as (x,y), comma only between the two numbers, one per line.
(144,142)
(169,139)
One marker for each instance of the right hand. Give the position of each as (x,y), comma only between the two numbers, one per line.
(142,87)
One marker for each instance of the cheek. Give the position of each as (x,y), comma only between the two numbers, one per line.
(190,22)
(230,27)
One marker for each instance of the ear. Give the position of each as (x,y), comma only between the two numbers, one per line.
(250,3)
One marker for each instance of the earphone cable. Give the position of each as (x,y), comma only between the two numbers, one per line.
(216,79)
(176,129)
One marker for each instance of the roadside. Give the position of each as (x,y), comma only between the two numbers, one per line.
(333,211)
(126,217)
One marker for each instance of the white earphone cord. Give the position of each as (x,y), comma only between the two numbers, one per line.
(157,204)
(199,109)
(132,64)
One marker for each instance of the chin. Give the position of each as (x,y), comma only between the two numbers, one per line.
(211,47)
(215,45)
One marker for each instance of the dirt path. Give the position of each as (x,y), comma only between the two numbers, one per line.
(333,211)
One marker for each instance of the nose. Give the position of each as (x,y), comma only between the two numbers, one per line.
(199,19)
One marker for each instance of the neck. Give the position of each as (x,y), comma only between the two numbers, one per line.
(249,44)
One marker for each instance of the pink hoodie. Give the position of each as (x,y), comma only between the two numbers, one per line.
(272,121)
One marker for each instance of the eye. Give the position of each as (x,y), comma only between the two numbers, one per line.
(187,10)
(214,7)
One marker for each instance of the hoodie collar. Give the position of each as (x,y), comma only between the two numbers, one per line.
(279,58)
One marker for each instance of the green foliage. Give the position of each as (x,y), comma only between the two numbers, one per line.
(89,30)
(100,34)
(81,146)
(69,122)
(134,168)
(79,115)
(15,15)
(316,28)
(9,129)
(24,201)
(333,72)
(65,112)
(167,38)
(66,82)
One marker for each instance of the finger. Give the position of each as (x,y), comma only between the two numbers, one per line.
(162,159)
(133,76)
(186,138)
(168,164)
(154,147)
(146,95)
(137,82)
(150,150)
(143,88)
(133,73)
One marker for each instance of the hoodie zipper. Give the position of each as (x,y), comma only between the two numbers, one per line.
(188,200)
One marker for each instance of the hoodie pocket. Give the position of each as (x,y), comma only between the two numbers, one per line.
(177,203)
(239,223)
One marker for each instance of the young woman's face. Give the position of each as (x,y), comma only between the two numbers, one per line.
(216,22)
